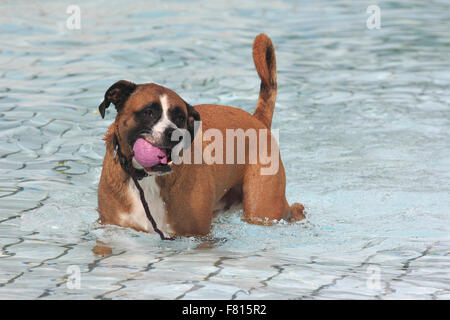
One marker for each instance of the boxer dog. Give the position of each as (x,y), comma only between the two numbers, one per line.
(181,199)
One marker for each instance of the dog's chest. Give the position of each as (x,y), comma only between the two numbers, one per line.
(137,216)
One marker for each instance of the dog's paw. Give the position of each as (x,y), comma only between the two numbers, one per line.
(297,212)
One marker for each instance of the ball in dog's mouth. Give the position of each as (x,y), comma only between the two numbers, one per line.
(152,158)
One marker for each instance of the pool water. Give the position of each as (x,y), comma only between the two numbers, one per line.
(364,123)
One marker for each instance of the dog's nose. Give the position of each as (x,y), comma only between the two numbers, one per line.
(168,132)
(168,136)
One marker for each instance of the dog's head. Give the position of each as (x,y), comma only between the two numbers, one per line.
(151,112)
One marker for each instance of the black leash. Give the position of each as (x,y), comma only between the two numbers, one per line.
(147,210)
(137,175)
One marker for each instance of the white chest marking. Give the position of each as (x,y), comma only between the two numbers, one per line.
(137,216)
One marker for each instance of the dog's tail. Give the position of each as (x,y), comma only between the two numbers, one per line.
(265,63)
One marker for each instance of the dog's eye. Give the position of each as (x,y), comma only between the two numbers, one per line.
(179,120)
(148,112)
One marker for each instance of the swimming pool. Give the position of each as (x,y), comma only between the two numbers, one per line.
(364,123)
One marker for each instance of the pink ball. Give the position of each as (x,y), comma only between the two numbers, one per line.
(147,155)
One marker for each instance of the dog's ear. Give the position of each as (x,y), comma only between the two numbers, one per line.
(117,94)
(192,115)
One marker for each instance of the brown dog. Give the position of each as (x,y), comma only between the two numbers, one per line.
(183,198)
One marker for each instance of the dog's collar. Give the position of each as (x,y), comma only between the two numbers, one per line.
(126,163)
(136,175)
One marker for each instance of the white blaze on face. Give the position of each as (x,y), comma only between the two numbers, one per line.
(160,127)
